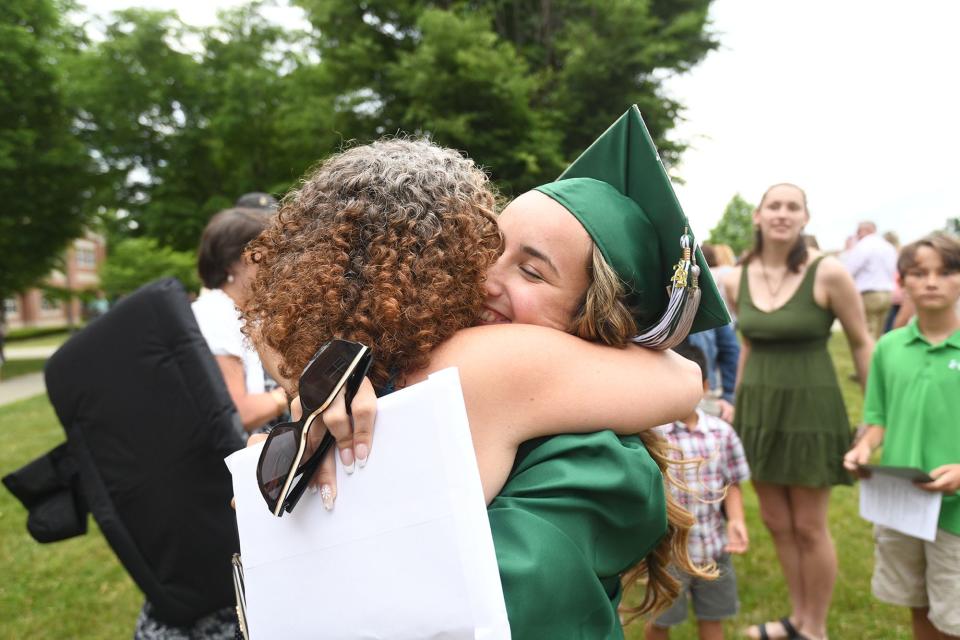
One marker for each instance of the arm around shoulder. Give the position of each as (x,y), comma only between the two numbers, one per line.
(539,381)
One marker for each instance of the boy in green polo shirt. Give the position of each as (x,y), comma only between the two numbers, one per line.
(912,406)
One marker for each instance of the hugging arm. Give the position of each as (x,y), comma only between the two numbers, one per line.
(521,382)
(534,381)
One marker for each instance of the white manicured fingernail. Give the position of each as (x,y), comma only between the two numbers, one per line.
(326,495)
(311,489)
(346,456)
(362,452)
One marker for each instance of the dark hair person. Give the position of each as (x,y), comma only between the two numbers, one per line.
(790,414)
(227,276)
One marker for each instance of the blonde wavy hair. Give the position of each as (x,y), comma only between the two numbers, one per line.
(387,244)
(603,317)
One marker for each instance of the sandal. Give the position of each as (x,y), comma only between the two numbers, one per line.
(791,630)
(788,627)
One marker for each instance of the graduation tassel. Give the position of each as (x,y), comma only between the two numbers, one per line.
(676,321)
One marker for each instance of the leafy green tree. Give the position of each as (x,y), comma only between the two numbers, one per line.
(579,63)
(180,121)
(596,57)
(181,134)
(136,261)
(44,169)
(469,90)
(735,227)
(953,226)
(138,93)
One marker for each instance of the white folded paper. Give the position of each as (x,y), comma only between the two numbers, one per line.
(405,553)
(898,504)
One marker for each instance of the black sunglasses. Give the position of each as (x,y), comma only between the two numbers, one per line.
(337,364)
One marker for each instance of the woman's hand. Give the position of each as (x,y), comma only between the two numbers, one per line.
(353,432)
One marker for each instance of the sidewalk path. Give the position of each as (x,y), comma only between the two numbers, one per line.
(21,387)
(29,353)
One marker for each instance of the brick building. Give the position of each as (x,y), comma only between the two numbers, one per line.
(32,308)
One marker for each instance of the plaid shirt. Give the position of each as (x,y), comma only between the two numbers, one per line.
(724,463)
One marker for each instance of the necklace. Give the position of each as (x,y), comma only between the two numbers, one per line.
(774,292)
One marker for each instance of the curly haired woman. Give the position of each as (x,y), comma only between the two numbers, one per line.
(399,217)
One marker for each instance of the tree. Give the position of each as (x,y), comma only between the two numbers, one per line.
(136,261)
(470,90)
(182,120)
(735,227)
(44,169)
(181,133)
(579,63)
(139,96)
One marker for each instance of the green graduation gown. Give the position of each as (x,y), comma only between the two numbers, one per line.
(577,510)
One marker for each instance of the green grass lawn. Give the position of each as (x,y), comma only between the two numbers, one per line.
(14,368)
(70,589)
(77,588)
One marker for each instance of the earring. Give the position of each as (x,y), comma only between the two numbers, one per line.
(230,278)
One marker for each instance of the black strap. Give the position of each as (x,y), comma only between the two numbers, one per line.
(791,630)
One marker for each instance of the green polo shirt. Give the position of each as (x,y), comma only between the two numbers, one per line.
(913,391)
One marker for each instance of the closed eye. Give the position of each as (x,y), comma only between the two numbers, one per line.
(530,273)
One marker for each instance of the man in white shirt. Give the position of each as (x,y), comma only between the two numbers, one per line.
(873,263)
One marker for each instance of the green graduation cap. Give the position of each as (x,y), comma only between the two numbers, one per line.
(620,192)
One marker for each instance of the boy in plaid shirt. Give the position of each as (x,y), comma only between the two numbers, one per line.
(724,467)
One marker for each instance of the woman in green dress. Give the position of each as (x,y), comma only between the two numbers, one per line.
(790,414)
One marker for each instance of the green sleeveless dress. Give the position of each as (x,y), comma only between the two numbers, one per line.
(790,414)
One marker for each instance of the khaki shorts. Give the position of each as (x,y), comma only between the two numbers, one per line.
(914,573)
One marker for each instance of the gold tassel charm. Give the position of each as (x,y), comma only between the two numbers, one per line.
(676,321)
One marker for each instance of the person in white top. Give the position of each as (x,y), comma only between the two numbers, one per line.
(872,261)
(227,276)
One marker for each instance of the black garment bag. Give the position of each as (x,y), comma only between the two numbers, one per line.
(148,422)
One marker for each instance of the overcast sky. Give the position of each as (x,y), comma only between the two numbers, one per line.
(856,101)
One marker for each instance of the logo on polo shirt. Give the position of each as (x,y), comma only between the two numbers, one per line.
(954,364)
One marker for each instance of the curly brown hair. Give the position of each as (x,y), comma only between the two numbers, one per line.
(604,317)
(387,244)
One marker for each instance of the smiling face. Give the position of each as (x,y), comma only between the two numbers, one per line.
(542,275)
(782,214)
(931,284)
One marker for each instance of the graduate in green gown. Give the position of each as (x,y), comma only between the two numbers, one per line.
(578,511)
